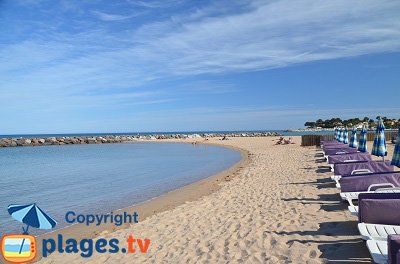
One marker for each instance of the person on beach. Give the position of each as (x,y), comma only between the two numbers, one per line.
(283,141)
(288,141)
(280,141)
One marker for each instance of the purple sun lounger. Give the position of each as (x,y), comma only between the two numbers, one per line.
(352,157)
(341,145)
(339,151)
(379,208)
(385,251)
(366,182)
(379,220)
(329,142)
(345,169)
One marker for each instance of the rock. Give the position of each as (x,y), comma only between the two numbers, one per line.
(91,140)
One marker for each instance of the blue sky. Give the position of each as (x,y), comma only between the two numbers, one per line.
(129,65)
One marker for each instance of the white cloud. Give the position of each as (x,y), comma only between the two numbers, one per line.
(156,3)
(111,17)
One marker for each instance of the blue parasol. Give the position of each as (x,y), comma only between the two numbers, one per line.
(353,138)
(341,135)
(362,146)
(346,136)
(379,147)
(396,154)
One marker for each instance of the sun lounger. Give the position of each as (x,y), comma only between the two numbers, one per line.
(353,209)
(367,182)
(379,208)
(352,157)
(338,151)
(385,252)
(336,178)
(377,231)
(332,147)
(345,162)
(330,142)
(352,168)
(378,250)
(379,215)
(347,158)
(353,196)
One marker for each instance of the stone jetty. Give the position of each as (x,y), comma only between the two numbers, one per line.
(19,142)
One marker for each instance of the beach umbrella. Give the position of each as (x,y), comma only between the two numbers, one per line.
(31,215)
(362,146)
(353,138)
(341,135)
(379,147)
(396,153)
(346,136)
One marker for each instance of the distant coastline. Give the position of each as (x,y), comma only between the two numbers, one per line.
(299,130)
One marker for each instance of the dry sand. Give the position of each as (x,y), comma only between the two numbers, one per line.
(280,208)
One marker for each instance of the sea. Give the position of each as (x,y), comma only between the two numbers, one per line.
(96,179)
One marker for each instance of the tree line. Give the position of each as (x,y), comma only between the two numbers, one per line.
(369,122)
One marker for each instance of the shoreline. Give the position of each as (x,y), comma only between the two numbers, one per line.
(161,203)
(282,207)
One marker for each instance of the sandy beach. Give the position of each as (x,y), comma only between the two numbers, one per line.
(277,206)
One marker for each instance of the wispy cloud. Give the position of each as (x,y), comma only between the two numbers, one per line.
(111,17)
(156,3)
(260,35)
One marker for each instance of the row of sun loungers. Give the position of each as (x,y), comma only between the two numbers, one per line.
(375,186)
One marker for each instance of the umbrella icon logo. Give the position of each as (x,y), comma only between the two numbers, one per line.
(31,215)
(22,248)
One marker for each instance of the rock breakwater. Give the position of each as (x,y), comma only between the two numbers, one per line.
(68,140)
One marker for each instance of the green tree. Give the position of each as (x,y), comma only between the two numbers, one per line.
(310,124)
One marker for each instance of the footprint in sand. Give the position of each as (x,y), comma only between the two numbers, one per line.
(313,254)
(273,242)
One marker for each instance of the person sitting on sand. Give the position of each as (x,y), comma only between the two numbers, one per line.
(288,141)
(280,141)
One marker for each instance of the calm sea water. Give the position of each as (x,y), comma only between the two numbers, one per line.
(100,178)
